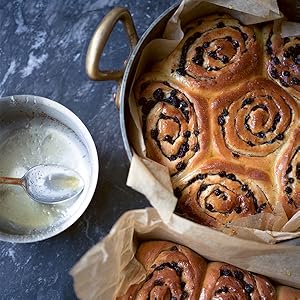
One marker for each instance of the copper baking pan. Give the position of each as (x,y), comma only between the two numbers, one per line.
(123,77)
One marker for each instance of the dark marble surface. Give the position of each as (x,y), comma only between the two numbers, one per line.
(42,52)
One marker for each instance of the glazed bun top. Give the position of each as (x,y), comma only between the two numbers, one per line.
(222,113)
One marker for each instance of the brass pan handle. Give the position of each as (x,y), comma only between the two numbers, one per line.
(99,40)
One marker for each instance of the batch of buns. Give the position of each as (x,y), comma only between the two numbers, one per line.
(222,113)
(174,272)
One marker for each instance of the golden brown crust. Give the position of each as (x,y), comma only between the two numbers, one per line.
(215,53)
(287,293)
(288,170)
(212,107)
(222,192)
(224,281)
(175,124)
(282,58)
(253,122)
(172,271)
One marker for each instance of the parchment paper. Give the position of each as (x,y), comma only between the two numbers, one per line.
(146,176)
(109,267)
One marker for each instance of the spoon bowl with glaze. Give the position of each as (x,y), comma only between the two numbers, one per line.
(49,183)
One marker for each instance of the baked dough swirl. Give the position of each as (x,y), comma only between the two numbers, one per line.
(224,282)
(174,124)
(283,59)
(226,101)
(216,51)
(173,272)
(254,120)
(288,168)
(221,193)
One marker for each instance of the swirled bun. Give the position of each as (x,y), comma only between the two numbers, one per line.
(282,59)
(174,272)
(228,129)
(224,281)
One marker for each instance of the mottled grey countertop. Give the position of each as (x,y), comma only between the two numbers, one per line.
(42,52)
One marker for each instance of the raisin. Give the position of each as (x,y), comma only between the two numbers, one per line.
(231,176)
(181,71)
(224,59)
(187,134)
(158,282)
(263,206)
(173,93)
(184,295)
(238,274)
(245,36)
(177,192)
(247,101)
(196,148)
(225,272)
(212,54)
(274,73)
(154,133)
(222,174)
(209,207)
(244,187)
(283,83)
(220,25)
(261,135)
(223,289)
(289,169)
(280,136)
(276,60)
(298,171)
(168,139)
(235,44)
(249,194)
(200,176)
(180,166)
(198,60)
(158,94)
(217,192)
(225,112)
(203,187)
(142,101)
(173,157)
(221,120)
(238,210)
(249,288)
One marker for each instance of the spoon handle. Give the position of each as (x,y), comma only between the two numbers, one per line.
(9,180)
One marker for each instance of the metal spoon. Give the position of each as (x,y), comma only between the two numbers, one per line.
(49,184)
